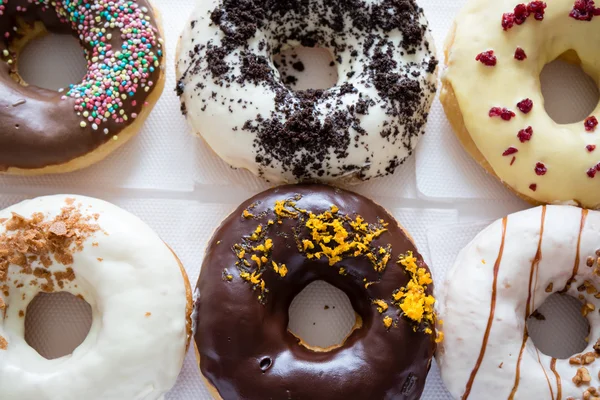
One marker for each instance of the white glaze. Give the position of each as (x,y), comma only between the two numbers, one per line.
(212,119)
(562,148)
(127,354)
(466,299)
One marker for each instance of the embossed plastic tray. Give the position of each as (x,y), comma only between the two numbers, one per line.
(178,186)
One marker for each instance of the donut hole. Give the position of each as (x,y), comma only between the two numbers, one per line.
(322,317)
(52,61)
(57,323)
(570,95)
(557,328)
(303,68)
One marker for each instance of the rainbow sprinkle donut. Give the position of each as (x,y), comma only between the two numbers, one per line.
(45,131)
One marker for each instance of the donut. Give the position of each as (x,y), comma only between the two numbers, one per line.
(496,284)
(492,96)
(272,247)
(45,131)
(363,127)
(138,291)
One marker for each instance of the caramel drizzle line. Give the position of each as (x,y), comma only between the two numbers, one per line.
(488,329)
(558,381)
(545,374)
(534,266)
(537,272)
(584,214)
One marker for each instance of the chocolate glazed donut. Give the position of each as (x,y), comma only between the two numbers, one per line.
(45,131)
(273,246)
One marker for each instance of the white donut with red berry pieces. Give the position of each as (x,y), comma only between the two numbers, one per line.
(496,284)
(363,127)
(138,292)
(492,96)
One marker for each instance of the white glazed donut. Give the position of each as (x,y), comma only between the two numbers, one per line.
(363,127)
(497,281)
(495,103)
(139,297)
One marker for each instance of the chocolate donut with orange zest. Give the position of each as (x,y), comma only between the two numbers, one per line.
(267,252)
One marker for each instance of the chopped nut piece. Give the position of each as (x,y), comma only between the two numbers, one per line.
(588,358)
(590,262)
(549,287)
(587,308)
(575,360)
(582,377)
(597,346)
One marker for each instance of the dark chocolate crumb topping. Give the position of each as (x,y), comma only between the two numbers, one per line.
(311,132)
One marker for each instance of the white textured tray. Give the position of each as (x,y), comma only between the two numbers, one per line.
(180,188)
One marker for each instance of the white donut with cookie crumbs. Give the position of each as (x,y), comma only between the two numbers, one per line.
(364,127)
(498,281)
(139,295)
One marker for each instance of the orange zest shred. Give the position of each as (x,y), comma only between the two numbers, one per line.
(381,306)
(387,321)
(280,269)
(413,299)
(329,234)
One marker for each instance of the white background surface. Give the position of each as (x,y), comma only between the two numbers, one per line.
(174,182)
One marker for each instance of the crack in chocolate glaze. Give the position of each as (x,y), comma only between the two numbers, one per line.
(383,54)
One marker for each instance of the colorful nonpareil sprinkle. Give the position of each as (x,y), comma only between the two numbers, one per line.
(117,67)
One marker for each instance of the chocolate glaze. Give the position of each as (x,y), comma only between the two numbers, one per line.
(236,334)
(37,127)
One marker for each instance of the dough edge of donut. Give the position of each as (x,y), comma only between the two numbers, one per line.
(189,304)
(103,151)
(455,117)
(358,322)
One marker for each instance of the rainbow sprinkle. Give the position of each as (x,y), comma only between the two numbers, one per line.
(114,74)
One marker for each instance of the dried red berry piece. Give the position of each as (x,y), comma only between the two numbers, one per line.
(540,169)
(592,172)
(525,106)
(521,14)
(503,113)
(590,123)
(508,21)
(590,147)
(537,8)
(487,58)
(584,10)
(525,135)
(533,187)
(520,54)
(510,151)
